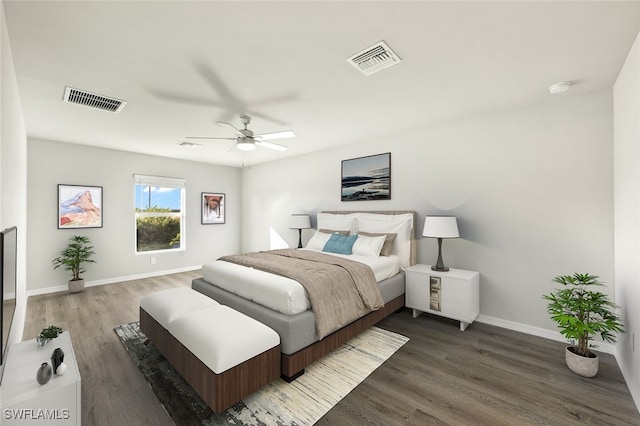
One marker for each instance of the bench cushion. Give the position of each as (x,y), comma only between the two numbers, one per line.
(166,305)
(222,337)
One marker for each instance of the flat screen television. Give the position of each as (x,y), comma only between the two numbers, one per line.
(8,265)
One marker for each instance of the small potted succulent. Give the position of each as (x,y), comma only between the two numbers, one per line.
(47,334)
(582,313)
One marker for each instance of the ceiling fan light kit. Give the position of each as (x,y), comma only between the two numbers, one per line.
(246,140)
(244,144)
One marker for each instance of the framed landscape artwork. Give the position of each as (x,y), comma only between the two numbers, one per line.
(213,208)
(367,178)
(79,206)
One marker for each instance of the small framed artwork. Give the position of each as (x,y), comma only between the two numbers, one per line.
(367,178)
(79,206)
(213,207)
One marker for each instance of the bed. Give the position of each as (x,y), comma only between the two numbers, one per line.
(287,310)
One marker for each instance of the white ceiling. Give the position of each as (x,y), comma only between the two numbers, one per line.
(183,65)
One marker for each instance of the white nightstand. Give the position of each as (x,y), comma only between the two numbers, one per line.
(453,294)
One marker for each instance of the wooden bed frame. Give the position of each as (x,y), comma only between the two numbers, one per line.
(292,366)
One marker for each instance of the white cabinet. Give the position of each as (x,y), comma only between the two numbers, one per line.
(453,294)
(24,401)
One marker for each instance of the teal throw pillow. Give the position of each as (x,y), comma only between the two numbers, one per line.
(341,244)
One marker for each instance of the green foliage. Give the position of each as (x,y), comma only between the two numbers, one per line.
(158,233)
(581,313)
(50,332)
(75,255)
(156,209)
(176,241)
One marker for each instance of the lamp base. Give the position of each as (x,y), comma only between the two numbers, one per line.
(439,266)
(440,269)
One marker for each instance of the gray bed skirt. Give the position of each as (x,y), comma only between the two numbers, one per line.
(296,331)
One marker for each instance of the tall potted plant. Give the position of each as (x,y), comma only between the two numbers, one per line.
(73,258)
(582,313)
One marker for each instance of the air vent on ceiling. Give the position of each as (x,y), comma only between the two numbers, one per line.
(374,58)
(188,144)
(93,100)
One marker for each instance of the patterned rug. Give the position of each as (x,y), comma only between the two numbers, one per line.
(302,402)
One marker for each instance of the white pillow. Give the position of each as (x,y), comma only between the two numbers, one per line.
(401,224)
(339,222)
(368,246)
(318,241)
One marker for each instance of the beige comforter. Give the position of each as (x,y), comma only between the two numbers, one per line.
(340,290)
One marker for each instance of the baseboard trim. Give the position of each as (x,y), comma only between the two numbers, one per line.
(628,378)
(540,332)
(114,280)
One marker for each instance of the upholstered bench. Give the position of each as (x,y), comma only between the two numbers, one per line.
(167,305)
(223,354)
(162,307)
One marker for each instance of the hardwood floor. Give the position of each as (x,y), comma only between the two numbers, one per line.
(482,376)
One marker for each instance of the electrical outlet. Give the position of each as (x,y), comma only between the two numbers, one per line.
(153,260)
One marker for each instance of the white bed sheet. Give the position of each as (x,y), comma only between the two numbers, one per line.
(280,293)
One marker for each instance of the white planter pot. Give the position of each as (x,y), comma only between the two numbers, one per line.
(76,286)
(582,366)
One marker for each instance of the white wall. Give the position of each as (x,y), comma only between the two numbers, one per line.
(531,187)
(52,163)
(13,171)
(626,93)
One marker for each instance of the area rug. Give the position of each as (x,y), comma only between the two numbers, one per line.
(302,402)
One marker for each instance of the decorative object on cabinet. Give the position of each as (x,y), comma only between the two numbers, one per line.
(440,227)
(44,373)
(79,206)
(72,258)
(47,334)
(452,294)
(213,208)
(300,222)
(56,359)
(581,313)
(367,178)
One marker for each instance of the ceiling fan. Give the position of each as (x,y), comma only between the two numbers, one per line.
(246,140)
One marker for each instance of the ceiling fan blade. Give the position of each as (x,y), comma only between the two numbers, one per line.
(208,137)
(275,135)
(271,145)
(225,124)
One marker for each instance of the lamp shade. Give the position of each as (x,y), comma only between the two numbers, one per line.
(300,221)
(440,227)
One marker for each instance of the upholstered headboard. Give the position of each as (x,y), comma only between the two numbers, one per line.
(412,239)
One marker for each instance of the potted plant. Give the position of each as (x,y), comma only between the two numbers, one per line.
(582,313)
(47,334)
(77,253)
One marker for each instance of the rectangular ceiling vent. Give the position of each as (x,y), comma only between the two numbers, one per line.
(93,100)
(188,144)
(374,58)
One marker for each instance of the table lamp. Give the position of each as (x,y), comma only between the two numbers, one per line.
(440,227)
(300,222)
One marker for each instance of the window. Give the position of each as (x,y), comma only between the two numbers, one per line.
(159,213)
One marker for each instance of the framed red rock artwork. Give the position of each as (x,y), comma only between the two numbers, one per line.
(79,206)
